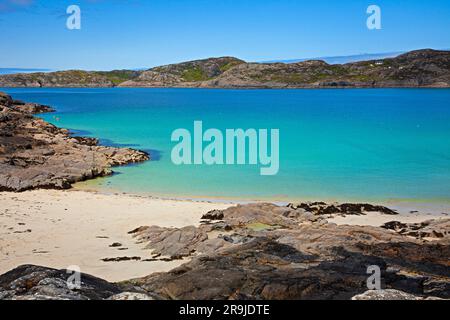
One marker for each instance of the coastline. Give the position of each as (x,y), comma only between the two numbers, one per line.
(433,207)
(35,154)
(147,242)
(54,228)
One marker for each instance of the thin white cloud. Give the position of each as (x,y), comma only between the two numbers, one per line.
(13,5)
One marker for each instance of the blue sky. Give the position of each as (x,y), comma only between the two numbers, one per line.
(146,33)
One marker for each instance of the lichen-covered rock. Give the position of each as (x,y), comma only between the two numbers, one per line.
(131,296)
(388,294)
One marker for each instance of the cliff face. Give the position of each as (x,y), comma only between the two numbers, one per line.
(422,68)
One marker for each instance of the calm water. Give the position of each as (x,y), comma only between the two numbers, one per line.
(334,144)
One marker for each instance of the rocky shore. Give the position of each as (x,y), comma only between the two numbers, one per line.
(36,154)
(264,251)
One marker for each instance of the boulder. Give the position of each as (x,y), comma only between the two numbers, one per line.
(30,282)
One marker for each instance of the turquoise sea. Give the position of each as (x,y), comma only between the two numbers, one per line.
(352,144)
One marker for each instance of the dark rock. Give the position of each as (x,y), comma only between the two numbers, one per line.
(32,108)
(321,208)
(120,259)
(5,100)
(30,282)
(213,215)
(86,141)
(439,229)
(138,230)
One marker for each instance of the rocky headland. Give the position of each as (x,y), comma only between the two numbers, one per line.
(36,154)
(415,69)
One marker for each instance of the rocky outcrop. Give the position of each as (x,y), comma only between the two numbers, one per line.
(36,154)
(29,282)
(421,68)
(171,242)
(264,251)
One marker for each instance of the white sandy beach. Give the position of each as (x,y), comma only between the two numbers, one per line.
(63,228)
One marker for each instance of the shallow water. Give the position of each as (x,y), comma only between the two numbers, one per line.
(352,144)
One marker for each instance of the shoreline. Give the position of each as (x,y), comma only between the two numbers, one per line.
(54,227)
(35,154)
(433,206)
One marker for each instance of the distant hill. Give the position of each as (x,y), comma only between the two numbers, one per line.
(421,68)
(344,59)
(21,70)
(69,78)
(181,74)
